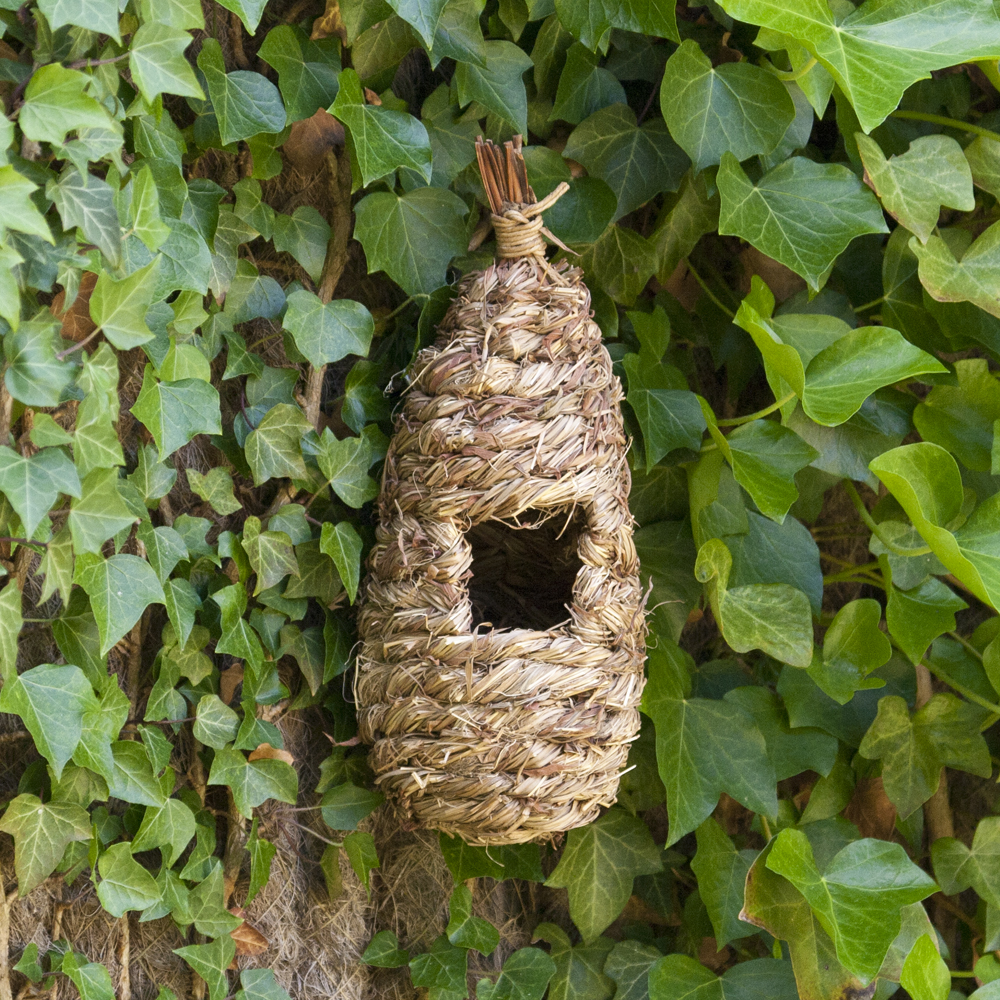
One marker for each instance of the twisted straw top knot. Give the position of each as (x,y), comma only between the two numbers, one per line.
(520,231)
(516,214)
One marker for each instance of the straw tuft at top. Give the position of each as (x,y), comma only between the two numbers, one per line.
(516,213)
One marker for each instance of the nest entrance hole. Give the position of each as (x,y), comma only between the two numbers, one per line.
(523,574)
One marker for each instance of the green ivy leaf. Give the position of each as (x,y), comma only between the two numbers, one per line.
(343,545)
(916,617)
(210,961)
(120,589)
(412,238)
(442,969)
(42,832)
(592,20)
(627,966)
(345,806)
(465,930)
(327,332)
(176,412)
(774,617)
(156,58)
(721,871)
(944,732)
(245,103)
(270,553)
(857,898)
(736,106)
(830,367)
(345,464)
(11,623)
(260,984)
(92,980)
(636,161)
(584,87)
(498,85)
(361,852)
(801,213)
(925,974)
(962,417)
(215,487)
(88,202)
(681,976)
(51,700)
(670,418)
(524,976)
(307,69)
(55,101)
(253,782)
(924,478)
(914,185)
(125,885)
(274,449)
(905,44)
(598,866)
(304,234)
(773,903)
(620,263)
(171,827)
(215,723)
(19,211)
(383,952)
(35,375)
(957,867)
(853,648)
(382,140)
(261,855)
(94,15)
(501,862)
(32,485)
(238,638)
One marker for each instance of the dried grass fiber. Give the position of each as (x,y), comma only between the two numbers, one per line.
(502,624)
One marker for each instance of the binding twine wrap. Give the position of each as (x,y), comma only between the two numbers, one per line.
(502,626)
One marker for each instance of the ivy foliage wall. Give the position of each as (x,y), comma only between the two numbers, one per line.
(226,232)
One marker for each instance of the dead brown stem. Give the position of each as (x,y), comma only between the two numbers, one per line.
(339,179)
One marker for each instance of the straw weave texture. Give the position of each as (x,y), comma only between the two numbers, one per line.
(502,625)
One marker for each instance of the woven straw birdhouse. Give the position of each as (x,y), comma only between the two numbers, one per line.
(503,630)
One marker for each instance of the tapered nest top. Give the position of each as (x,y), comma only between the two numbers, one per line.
(516,213)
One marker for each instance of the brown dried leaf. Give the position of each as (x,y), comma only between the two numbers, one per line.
(330,23)
(871,811)
(267,752)
(372,98)
(229,681)
(249,940)
(311,139)
(783,281)
(76,321)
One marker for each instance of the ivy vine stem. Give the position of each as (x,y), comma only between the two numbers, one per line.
(964,691)
(898,550)
(749,417)
(922,116)
(713,298)
(789,75)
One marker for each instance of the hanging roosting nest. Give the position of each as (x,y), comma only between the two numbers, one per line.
(503,626)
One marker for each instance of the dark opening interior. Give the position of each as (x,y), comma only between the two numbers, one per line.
(522,577)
